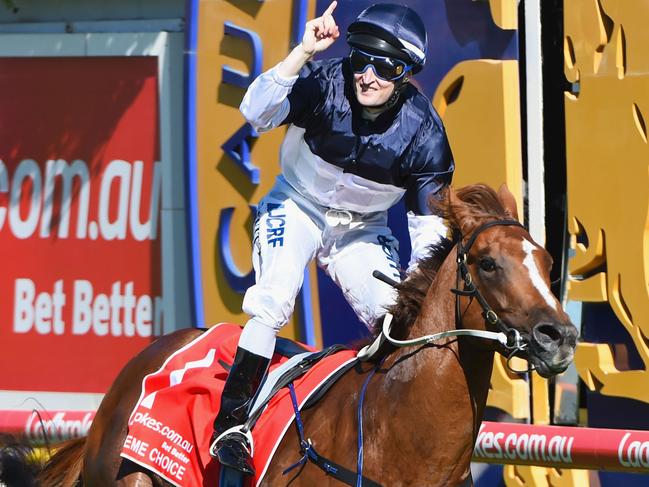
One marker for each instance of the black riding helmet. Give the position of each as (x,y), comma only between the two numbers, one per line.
(391,30)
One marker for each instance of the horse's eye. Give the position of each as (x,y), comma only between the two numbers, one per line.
(487,264)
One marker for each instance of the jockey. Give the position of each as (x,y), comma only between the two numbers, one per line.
(360,137)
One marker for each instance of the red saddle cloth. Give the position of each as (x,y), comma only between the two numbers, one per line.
(170,428)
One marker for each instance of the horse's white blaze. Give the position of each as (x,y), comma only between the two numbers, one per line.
(535,275)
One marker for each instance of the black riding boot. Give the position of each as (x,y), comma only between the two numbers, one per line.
(240,388)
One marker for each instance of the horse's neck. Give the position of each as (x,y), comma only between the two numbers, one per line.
(430,399)
(443,387)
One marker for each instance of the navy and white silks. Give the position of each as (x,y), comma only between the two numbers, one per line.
(340,174)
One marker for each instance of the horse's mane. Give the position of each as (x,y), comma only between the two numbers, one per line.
(474,205)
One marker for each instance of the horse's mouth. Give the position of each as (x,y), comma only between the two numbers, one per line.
(551,366)
(551,347)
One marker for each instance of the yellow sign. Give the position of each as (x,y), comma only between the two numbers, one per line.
(236,42)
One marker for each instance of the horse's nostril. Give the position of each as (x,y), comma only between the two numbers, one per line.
(546,335)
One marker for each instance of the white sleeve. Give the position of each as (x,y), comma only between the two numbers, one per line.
(424,231)
(265,104)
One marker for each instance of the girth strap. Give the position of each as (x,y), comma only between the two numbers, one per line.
(309,453)
(333,469)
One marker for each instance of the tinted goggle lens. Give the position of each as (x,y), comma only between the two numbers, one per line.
(385,67)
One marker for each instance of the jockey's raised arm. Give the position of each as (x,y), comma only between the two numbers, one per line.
(264,105)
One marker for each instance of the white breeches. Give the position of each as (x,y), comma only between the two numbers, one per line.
(289,231)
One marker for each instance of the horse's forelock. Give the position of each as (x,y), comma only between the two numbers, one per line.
(469,206)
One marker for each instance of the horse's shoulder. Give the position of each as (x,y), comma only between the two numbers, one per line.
(186,333)
(177,338)
(165,345)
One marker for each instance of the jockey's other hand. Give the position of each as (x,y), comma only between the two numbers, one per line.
(321,32)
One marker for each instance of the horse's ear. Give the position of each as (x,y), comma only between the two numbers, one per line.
(461,213)
(508,201)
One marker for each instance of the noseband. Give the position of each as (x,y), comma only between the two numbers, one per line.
(514,339)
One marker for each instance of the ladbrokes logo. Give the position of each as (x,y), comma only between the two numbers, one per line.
(153,424)
(40,201)
(633,453)
(57,428)
(524,446)
(146,420)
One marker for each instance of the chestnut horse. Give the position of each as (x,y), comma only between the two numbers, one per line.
(424,404)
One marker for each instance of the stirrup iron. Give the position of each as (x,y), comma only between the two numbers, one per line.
(237,430)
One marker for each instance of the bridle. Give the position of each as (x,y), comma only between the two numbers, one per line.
(508,337)
(514,339)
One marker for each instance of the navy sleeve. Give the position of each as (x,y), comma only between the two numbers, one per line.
(306,95)
(429,165)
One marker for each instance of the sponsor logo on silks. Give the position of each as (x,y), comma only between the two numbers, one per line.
(388,245)
(275,224)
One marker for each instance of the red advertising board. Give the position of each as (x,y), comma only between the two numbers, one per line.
(80,196)
(40,427)
(563,447)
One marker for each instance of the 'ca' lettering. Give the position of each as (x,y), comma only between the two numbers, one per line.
(237,280)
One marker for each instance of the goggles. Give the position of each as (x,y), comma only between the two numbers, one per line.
(386,68)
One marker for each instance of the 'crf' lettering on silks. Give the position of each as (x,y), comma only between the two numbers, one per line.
(276,224)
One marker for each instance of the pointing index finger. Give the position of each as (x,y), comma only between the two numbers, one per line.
(330,9)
